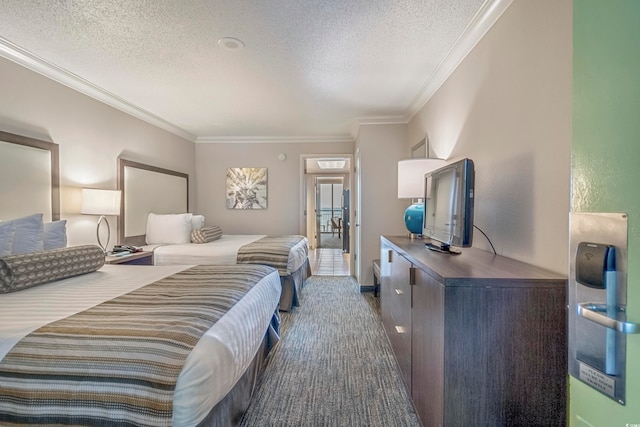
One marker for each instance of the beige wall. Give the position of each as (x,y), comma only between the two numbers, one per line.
(508,107)
(91,136)
(285,209)
(381,212)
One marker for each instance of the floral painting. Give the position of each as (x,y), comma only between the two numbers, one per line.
(246,188)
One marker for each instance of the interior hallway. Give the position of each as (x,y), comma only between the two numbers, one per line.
(329,262)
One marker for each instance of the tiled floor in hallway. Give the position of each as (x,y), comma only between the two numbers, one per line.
(329,262)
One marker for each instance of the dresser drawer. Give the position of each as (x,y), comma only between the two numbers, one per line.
(396,309)
(400,339)
(400,304)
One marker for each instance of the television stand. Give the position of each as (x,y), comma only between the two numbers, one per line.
(443,249)
(480,339)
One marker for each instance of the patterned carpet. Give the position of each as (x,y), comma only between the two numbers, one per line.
(333,365)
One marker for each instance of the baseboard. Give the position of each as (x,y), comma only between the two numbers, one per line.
(366,288)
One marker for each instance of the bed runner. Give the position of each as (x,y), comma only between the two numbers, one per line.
(269,250)
(117,363)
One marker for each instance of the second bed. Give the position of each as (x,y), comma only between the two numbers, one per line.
(289,254)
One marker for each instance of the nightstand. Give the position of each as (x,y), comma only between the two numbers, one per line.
(136,258)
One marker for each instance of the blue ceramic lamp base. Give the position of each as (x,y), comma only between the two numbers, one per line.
(413,217)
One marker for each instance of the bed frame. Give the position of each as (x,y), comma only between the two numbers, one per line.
(145,189)
(29,166)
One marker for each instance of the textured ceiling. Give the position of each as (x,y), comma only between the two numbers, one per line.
(310,68)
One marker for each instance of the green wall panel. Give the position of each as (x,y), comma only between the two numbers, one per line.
(606,165)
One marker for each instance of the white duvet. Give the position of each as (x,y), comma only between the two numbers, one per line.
(214,366)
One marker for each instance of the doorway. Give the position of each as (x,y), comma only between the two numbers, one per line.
(327,215)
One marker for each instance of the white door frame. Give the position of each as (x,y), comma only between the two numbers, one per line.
(306,187)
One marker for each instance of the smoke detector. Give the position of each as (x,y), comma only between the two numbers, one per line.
(231,43)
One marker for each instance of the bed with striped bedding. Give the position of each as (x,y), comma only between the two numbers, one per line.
(137,346)
(274,251)
(288,253)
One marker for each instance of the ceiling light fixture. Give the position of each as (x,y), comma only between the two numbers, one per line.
(331,164)
(231,43)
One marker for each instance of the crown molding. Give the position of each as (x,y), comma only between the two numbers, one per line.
(380,120)
(28,60)
(272,139)
(488,14)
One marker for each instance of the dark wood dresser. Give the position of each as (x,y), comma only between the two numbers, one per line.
(480,339)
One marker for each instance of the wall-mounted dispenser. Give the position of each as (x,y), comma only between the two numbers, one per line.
(597,302)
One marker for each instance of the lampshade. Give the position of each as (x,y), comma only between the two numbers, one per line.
(100,202)
(411,176)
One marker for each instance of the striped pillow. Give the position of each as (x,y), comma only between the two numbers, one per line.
(206,234)
(23,271)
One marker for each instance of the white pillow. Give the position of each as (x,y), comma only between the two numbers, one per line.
(28,236)
(7,231)
(197,221)
(168,229)
(55,234)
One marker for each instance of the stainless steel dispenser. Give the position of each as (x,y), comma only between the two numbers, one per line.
(597,302)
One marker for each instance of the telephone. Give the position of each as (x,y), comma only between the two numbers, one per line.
(126,248)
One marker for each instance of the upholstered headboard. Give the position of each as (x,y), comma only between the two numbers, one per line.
(29,177)
(146,188)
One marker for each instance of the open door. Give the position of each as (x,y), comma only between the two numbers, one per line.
(346,220)
(318,214)
(329,215)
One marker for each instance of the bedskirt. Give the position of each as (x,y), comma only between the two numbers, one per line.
(292,285)
(230,410)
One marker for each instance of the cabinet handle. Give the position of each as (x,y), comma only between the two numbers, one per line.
(400,329)
(592,311)
(399,291)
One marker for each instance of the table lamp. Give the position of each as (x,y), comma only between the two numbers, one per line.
(103,203)
(411,186)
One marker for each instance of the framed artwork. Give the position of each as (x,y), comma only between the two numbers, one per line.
(247,188)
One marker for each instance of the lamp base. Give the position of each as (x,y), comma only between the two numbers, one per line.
(413,218)
(104,247)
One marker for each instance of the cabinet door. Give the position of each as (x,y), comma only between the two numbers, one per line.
(427,351)
(395,303)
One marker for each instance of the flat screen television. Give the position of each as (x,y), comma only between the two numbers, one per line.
(448,217)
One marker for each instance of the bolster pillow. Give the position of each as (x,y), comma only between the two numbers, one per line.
(23,271)
(206,234)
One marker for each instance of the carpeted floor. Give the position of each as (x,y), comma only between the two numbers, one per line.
(333,365)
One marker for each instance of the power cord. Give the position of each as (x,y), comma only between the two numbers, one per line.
(488,240)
